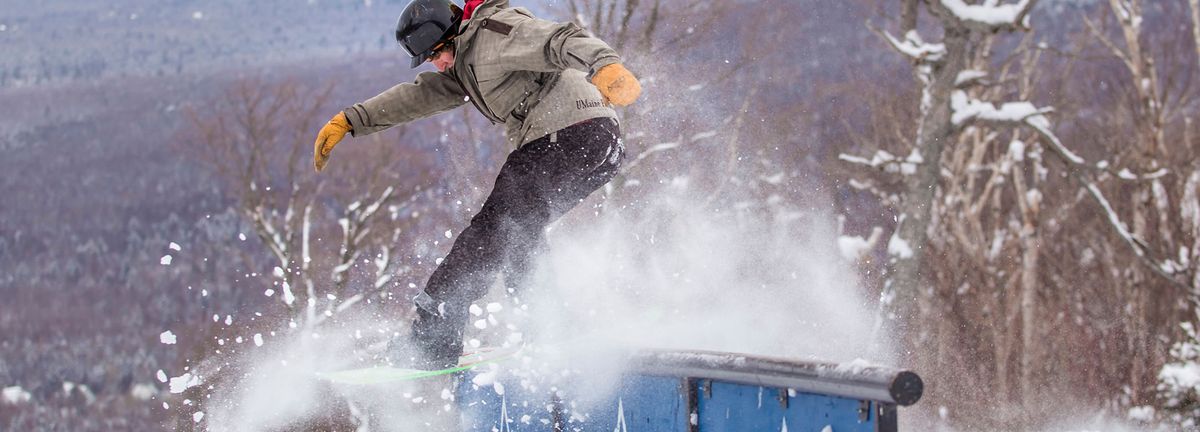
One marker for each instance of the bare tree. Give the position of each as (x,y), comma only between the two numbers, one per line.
(258,138)
(970,191)
(1161,99)
(940,68)
(333,242)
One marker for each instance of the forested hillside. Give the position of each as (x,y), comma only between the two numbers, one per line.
(157,177)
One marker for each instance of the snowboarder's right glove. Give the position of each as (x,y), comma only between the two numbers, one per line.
(618,86)
(330,135)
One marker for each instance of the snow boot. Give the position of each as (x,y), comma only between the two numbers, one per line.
(431,345)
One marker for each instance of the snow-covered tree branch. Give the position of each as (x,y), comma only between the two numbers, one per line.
(988,16)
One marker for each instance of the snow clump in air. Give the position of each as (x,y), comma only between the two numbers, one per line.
(143,391)
(15,395)
(183,382)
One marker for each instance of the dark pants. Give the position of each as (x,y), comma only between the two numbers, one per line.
(537,184)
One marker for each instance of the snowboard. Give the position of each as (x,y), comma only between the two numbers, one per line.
(388,374)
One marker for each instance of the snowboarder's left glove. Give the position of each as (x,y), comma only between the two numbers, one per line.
(618,86)
(331,134)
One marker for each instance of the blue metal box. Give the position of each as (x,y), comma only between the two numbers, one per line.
(690,391)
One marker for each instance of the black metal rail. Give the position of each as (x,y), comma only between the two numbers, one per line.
(851,380)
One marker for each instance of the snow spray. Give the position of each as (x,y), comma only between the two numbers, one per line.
(683,276)
(275,387)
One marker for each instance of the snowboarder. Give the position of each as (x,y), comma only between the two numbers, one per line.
(553,87)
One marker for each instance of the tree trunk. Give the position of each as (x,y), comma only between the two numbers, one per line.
(1031,244)
(934,131)
(1195,6)
(908,15)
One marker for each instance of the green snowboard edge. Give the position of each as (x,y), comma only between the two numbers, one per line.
(387,374)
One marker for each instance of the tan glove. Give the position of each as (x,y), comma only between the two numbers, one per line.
(329,136)
(618,86)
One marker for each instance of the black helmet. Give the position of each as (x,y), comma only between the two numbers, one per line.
(425,24)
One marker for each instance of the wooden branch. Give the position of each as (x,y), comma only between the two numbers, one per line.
(912,47)
(1036,119)
(268,234)
(1139,247)
(1079,169)
(598,17)
(1108,43)
(626,16)
(1129,15)
(651,26)
(869,186)
(382,263)
(650,152)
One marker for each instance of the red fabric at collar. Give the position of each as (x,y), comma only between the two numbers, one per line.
(469,8)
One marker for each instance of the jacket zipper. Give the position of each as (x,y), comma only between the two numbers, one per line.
(477,101)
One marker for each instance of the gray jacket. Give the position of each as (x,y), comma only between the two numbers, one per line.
(528,73)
